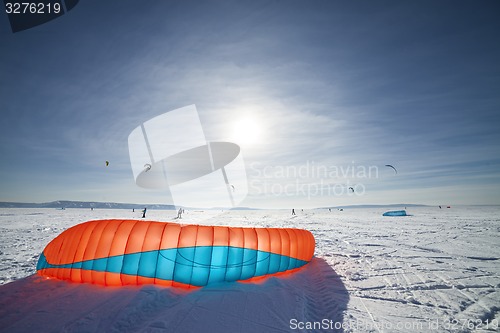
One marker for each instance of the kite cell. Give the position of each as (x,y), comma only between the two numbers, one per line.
(132,252)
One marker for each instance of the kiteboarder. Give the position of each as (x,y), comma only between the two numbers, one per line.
(144,212)
(179,213)
(293,211)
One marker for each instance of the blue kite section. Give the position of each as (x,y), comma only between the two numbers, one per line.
(395,213)
(198,265)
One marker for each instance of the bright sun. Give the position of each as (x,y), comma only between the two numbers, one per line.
(246,131)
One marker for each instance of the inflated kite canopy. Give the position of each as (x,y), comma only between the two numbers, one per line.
(131,252)
(395,213)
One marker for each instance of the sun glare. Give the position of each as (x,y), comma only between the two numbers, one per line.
(246,131)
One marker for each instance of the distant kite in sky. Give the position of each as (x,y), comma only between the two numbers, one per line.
(107,163)
(390,166)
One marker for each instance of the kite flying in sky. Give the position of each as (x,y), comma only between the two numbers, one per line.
(390,166)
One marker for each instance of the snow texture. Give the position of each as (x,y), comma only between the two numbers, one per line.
(435,271)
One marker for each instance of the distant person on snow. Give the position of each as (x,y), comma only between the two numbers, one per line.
(179,213)
(144,212)
(293,211)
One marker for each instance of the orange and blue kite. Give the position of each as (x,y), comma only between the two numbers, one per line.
(133,252)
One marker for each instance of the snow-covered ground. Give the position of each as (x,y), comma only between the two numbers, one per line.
(435,271)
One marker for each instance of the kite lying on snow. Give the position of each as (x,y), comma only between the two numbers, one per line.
(130,252)
(395,213)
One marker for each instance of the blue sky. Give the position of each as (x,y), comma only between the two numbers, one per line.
(324,85)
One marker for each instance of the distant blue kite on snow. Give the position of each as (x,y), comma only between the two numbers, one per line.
(395,213)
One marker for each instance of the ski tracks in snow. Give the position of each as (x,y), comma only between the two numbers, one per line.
(417,274)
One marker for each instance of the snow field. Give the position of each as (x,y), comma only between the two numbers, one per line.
(435,271)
